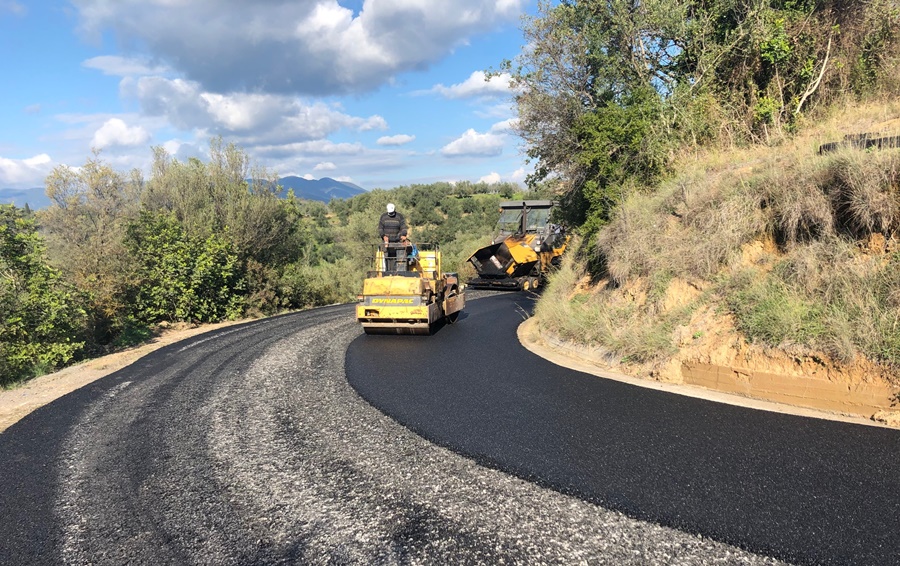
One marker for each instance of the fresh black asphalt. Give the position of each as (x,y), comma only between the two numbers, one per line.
(31,452)
(246,445)
(803,490)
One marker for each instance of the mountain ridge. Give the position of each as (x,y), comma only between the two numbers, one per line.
(34,197)
(323,190)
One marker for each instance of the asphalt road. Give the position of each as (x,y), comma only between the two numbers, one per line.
(800,489)
(248,445)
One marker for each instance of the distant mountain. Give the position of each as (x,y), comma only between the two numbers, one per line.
(323,189)
(34,197)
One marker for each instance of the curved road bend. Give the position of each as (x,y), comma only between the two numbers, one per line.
(246,445)
(803,490)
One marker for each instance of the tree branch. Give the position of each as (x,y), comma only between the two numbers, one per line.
(813,87)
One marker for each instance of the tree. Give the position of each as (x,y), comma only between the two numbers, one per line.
(228,197)
(608,90)
(589,88)
(178,277)
(226,192)
(84,226)
(40,315)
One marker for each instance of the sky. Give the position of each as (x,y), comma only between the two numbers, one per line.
(380,93)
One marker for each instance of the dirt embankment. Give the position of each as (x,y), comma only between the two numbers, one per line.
(812,396)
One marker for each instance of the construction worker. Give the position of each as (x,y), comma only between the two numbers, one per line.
(392,229)
(392,226)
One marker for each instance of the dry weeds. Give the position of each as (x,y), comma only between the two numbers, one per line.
(823,275)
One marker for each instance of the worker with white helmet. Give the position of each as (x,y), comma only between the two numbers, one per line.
(392,229)
(392,226)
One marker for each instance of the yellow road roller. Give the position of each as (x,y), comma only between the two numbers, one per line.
(407,292)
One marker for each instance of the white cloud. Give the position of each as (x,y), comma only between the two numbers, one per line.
(24,173)
(490,178)
(518,176)
(37,160)
(33,109)
(504,127)
(325,166)
(311,47)
(344,179)
(123,66)
(241,112)
(476,86)
(172,146)
(314,149)
(309,177)
(473,144)
(248,118)
(116,132)
(494,111)
(375,122)
(400,139)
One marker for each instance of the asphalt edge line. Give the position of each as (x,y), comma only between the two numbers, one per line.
(530,337)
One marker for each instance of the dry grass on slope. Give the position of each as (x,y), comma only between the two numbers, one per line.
(780,247)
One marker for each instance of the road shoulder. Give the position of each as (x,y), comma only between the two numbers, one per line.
(531,338)
(17,403)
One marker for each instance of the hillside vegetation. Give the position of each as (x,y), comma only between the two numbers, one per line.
(786,249)
(683,138)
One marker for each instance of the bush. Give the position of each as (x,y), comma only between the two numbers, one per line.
(772,313)
(328,283)
(40,315)
(686,229)
(179,278)
(628,330)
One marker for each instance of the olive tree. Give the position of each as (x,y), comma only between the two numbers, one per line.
(84,227)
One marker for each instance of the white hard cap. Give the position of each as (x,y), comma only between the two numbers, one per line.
(390,207)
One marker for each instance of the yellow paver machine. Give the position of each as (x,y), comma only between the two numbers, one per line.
(407,292)
(526,248)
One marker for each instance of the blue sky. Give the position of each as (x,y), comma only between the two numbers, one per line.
(380,93)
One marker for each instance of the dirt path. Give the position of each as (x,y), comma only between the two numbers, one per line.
(19,402)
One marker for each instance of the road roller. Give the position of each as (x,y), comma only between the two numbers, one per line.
(407,292)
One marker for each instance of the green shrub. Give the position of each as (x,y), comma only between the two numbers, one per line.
(41,316)
(180,278)
(306,286)
(772,313)
(626,330)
